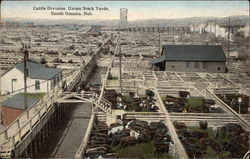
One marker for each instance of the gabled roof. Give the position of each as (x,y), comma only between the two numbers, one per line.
(193,53)
(37,70)
(93,30)
(17,101)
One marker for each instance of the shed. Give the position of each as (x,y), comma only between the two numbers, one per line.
(191,58)
(13,107)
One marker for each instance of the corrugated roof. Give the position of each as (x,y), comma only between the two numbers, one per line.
(17,101)
(37,70)
(194,53)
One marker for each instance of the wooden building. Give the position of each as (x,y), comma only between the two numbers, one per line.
(13,107)
(191,58)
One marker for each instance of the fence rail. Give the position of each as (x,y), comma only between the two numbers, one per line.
(181,153)
(241,120)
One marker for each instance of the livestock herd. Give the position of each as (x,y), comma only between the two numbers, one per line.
(133,132)
(233,101)
(132,102)
(180,104)
(229,141)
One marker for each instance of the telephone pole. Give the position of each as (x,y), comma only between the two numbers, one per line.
(215,27)
(173,35)
(25,59)
(228,38)
(210,31)
(120,61)
(159,43)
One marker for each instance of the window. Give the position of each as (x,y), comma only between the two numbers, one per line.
(218,68)
(187,64)
(172,66)
(196,65)
(119,117)
(37,85)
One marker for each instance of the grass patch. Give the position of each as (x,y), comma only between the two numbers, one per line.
(110,77)
(194,101)
(143,150)
(163,98)
(130,103)
(33,95)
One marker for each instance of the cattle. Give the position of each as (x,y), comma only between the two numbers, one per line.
(114,139)
(179,125)
(99,134)
(96,150)
(199,133)
(184,94)
(208,101)
(138,123)
(164,148)
(203,125)
(90,146)
(127,141)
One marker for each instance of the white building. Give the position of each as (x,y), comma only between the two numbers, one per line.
(40,79)
(123,17)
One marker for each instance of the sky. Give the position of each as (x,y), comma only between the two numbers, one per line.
(136,9)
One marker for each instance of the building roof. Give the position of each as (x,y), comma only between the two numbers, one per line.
(194,53)
(17,101)
(37,70)
(157,60)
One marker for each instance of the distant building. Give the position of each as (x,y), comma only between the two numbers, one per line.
(233,54)
(40,78)
(13,107)
(191,58)
(93,31)
(123,17)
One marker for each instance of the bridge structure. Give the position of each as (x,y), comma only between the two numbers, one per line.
(29,131)
(176,29)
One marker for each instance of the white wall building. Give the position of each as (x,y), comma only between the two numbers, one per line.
(40,79)
(123,17)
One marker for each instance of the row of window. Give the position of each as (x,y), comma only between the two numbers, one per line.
(37,84)
(56,79)
(188,65)
(196,65)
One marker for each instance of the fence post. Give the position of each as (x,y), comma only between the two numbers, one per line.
(20,135)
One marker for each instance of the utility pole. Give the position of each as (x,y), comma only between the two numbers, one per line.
(25,58)
(228,38)
(215,27)
(173,35)
(120,60)
(159,43)
(210,31)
